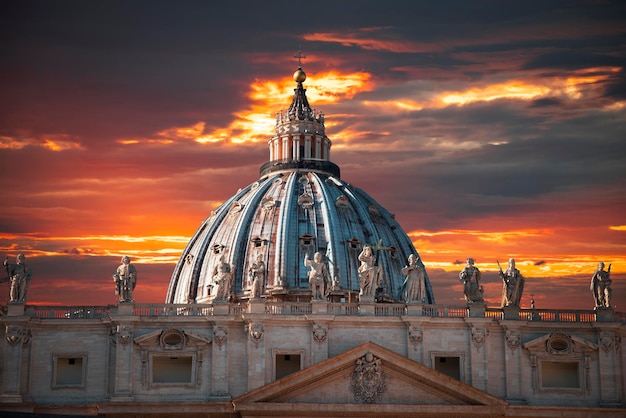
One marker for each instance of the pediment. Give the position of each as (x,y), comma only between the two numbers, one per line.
(559,344)
(170,339)
(364,379)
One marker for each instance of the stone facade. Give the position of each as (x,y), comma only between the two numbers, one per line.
(299,358)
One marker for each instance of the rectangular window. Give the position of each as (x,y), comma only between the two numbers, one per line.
(450,366)
(69,370)
(287,364)
(560,374)
(172,369)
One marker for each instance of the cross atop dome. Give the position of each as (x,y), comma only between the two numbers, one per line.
(300,57)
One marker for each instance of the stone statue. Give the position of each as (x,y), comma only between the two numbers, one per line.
(601,286)
(257,277)
(470,277)
(414,288)
(368,272)
(512,285)
(222,275)
(125,279)
(19,275)
(318,276)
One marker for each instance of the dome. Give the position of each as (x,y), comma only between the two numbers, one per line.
(298,207)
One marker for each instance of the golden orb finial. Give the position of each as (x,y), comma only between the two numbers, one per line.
(299,76)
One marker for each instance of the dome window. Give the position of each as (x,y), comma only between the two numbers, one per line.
(305,201)
(235,208)
(354,243)
(342,203)
(258,242)
(217,248)
(268,203)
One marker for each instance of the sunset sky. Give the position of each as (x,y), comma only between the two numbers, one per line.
(491,129)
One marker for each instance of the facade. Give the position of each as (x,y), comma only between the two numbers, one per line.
(273,310)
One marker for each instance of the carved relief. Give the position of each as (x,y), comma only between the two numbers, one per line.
(255,333)
(367,379)
(479,335)
(220,333)
(606,341)
(124,333)
(513,338)
(415,336)
(319,333)
(16,334)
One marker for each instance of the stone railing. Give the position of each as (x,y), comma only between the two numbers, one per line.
(305,308)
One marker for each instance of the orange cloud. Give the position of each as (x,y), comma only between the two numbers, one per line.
(574,86)
(52,142)
(254,124)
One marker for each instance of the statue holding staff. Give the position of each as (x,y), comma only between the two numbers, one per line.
(18,276)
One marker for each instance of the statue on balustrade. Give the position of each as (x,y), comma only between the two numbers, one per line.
(125,279)
(470,277)
(222,278)
(318,276)
(369,272)
(18,276)
(601,286)
(512,285)
(414,287)
(257,277)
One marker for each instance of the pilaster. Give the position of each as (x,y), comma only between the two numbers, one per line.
(219,361)
(122,334)
(478,333)
(256,354)
(16,337)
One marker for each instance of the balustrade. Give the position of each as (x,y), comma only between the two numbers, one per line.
(305,308)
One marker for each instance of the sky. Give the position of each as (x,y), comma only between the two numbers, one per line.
(491,129)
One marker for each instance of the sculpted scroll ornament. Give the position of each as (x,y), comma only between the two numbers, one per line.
(367,379)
